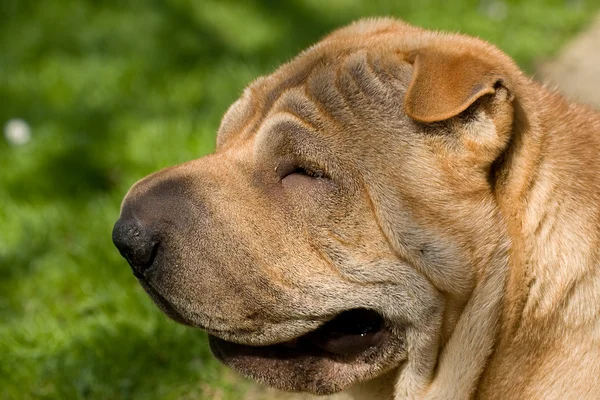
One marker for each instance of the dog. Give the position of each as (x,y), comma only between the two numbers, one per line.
(396,212)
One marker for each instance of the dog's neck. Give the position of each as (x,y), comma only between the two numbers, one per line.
(550,197)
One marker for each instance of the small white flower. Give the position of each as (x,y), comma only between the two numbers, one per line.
(17,132)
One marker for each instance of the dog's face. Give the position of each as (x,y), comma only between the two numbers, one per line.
(345,218)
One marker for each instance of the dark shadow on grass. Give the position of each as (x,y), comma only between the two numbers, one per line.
(74,174)
(14,266)
(123,361)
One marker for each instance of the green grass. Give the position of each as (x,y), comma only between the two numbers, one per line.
(114,90)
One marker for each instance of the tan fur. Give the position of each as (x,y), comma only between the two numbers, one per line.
(460,202)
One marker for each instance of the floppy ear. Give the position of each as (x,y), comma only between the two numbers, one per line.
(445,84)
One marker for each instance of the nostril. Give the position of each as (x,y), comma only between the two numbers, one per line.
(135,243)
(141,260)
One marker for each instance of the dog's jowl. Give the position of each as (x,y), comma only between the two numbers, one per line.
(396,212)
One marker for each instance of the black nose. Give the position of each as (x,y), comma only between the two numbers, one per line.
(136,243)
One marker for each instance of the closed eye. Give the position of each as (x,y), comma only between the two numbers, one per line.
(313,173)
(287,169)
(306,182)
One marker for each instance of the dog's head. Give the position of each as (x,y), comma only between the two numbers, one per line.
(346,216)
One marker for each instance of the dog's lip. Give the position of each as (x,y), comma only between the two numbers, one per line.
(310,369)
(161,302)
(361,330)
(252,336)
(298,333)
(340,337)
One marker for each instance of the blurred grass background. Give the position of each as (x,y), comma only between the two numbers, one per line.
(114,90)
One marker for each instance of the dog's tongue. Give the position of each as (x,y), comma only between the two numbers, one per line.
(348,344)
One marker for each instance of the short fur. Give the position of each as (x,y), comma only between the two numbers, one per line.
(459,200)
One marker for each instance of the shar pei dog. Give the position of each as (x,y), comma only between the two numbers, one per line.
(396,212)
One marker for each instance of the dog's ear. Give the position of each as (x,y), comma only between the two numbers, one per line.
(444,84)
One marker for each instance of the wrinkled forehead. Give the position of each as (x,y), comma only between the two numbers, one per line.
(323,90)
(373,57)
(349,49)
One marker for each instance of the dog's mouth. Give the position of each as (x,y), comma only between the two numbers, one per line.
(348,335)
(354,345)
(352,341)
